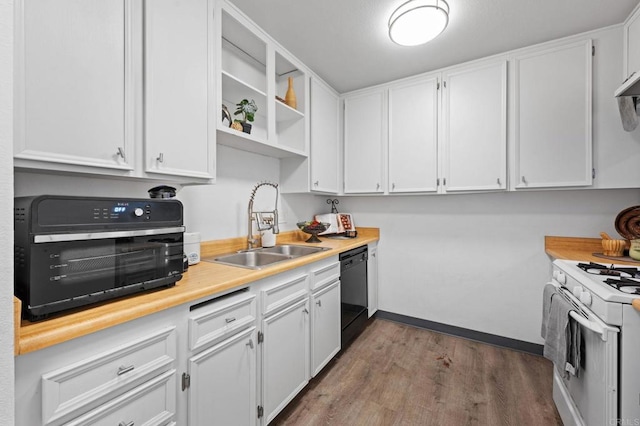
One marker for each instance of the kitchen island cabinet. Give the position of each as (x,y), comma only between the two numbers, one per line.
(552,116)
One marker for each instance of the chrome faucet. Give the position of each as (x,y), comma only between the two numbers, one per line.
(264,220)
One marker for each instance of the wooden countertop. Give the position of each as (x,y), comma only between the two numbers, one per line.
(580,249)
(201,280)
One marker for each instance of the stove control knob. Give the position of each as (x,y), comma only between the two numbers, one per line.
(560,277)
(585,298)
(577,291)
(138,212)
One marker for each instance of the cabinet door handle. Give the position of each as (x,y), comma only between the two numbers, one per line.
(228,320)
(498,181)
(250,344)
(124,369)
(121,153)
(319,303)
(305,310)
(393,186)
(377,186)
(524,180)
(160,158)
(131,423)
(316,183)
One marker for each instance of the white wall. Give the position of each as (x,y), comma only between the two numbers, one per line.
(6,213)
(216,211)
(471,260)
(477,261)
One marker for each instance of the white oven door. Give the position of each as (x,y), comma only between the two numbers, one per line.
(591,398)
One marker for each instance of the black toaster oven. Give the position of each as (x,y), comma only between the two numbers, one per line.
(74,251)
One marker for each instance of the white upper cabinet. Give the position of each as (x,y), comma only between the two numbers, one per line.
(325,136)
(413,136)
(632,43)
(115,88)
(74,95)
(474,127)
(552,116)
(365,123)
(179,131)
(253,67)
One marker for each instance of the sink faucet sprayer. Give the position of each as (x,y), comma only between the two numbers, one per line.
(264,220)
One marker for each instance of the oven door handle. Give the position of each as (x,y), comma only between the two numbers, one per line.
(592,323)
(55,238)
(600,329)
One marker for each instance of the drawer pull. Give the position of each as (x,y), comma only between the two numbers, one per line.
(131,423)
(250,344)
(319,303)
(228,320)
(123,370)
(305,311)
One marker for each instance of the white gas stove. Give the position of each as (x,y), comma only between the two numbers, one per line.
(607,390)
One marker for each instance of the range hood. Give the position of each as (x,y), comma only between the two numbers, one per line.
(630,87)
(628,96)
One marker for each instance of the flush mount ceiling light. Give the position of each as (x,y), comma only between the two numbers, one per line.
(418,21)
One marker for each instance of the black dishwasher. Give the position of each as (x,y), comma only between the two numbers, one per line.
(353,292)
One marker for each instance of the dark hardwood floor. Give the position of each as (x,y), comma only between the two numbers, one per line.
(394,374)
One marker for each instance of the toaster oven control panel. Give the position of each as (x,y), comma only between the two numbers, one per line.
(59,213)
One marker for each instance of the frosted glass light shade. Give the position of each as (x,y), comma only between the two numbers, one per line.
(418,21)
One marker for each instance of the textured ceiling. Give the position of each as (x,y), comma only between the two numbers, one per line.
(345,41)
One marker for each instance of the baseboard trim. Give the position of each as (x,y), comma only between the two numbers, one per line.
(491,339)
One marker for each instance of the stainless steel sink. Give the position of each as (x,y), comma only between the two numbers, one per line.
(293,250)
(258,258)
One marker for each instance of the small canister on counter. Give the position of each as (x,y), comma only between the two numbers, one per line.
(192,247)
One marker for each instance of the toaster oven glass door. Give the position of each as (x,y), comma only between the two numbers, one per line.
(62,271)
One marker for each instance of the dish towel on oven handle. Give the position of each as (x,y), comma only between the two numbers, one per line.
(562,335)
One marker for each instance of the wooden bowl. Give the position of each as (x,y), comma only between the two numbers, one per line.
(614,248)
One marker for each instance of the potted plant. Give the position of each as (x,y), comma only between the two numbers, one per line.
(248,110)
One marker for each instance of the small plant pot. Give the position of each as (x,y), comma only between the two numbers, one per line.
(246,127)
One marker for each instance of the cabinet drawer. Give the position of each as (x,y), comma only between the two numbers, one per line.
(85,385)
(221,320)
(283,294)
(150,404)
(323,276)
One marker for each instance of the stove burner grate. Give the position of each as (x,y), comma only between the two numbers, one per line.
(625,285)
(598,269)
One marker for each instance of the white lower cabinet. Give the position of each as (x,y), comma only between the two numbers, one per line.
(285,356)
(151,404)
(325,326)
(224,383)
(233,359)
(372,279)
(221,378)
(126,375)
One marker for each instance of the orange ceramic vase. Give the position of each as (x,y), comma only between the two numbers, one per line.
(290,96)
